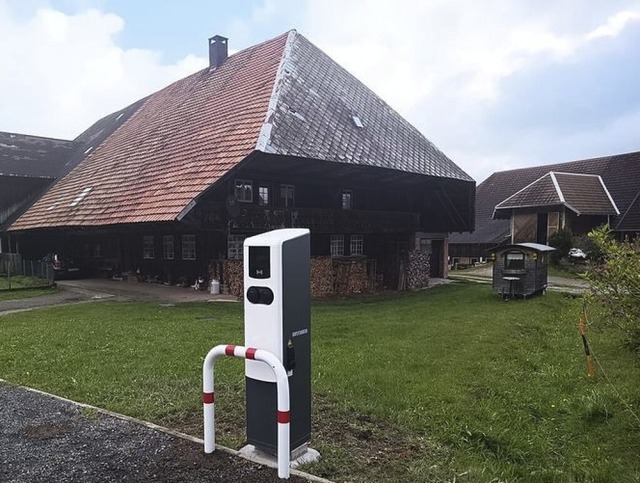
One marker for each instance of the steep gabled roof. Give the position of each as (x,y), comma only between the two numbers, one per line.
(324,112)
(584,194)
(283,96)
(620,174)
(33,156)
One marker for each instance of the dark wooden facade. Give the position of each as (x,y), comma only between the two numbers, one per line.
(375,211)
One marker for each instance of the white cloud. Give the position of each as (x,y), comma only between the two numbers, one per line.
(443,64)
(63,72)
(615,24)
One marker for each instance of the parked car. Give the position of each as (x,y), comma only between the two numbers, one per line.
(63,266)
(577,254)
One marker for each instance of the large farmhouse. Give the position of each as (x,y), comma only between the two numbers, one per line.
(531,204)
(277,135)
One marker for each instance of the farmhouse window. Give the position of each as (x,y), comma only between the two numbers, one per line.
(263,195)
(97,250)
(244,190)
(167,247)
(514,260)
(357,245)
(337,245)
(234,247)
(147,247)
(188,247)
(347,199)
(287,195)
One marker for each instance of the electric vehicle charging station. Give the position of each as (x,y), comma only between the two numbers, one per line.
(277,319)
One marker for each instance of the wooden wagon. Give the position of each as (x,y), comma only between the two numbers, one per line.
(521,269)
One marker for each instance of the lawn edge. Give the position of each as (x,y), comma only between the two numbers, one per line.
(170,432)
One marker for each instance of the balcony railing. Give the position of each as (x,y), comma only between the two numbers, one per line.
(327,221)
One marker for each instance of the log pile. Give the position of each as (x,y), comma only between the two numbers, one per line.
(230,274)
(328,276)
(321,276)
(350,276)
(417,268)
(234,277)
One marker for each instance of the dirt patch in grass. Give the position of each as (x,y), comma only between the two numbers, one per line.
(358,447)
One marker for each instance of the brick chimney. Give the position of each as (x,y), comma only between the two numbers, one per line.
(218,51)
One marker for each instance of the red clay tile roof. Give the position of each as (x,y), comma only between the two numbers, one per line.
(584,194)
(284,96)
(179,142)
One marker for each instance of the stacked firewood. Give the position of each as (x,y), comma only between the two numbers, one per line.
(328,276)
(230,274)
(350,276)
(417,270)
(321,276)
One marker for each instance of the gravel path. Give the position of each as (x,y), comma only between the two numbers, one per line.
(46,439)
(485,275)
(92,290)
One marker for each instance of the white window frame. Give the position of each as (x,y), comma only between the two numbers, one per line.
(168,247)
(188,247)
(148,247)
(285,189)
(243,190)
(356,245)
(336,245)
(264,193)
(346,199)
(235,247)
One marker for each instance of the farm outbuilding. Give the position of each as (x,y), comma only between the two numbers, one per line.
(521,269)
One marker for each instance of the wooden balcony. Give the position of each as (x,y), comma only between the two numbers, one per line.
(327,221)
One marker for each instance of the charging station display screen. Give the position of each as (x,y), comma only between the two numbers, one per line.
(259,262)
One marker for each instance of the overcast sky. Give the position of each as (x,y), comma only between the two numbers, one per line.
(495,84)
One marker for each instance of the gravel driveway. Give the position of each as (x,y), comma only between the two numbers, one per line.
(92,290)
(46,439)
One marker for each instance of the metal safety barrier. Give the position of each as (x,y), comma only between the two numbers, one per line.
(282,383)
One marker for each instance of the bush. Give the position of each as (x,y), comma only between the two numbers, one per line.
(614,281)
(562,241)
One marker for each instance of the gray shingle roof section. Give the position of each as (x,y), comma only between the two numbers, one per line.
(320,111)
(630,219)
(620,174)
(33,156)
(542,192)
(585,194)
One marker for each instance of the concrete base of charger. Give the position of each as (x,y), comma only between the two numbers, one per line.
(299,456)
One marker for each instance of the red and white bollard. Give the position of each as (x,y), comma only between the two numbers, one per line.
(282,384)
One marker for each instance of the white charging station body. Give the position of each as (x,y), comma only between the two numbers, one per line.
(277,319)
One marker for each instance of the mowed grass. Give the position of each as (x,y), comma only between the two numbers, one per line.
(440,385)
(20,287)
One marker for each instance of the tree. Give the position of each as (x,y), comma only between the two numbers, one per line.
(562,241)
(614,281)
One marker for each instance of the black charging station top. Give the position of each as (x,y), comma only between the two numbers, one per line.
(259,262)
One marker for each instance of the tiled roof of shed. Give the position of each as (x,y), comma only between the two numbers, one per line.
(620,174)
(283,96)
(33,156)
(584,194)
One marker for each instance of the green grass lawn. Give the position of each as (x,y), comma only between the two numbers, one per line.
(23,287)
(439,385)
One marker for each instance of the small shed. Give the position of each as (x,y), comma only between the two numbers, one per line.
(520,270)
